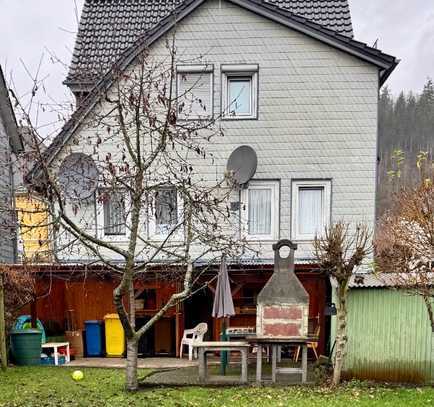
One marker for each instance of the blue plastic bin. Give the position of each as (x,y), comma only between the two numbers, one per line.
(94,337)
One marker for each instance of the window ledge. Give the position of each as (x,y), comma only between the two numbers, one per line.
(238,118)
(260,239)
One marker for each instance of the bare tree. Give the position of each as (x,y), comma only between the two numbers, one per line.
(17,289)
(161,204)
(339,252)
(405,238)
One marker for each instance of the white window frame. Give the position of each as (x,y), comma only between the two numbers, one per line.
(152,222)
(243,72)
(101,223)
(196,69)
(326,209)
(274,185)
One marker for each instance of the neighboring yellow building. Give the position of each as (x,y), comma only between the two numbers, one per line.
(34,238)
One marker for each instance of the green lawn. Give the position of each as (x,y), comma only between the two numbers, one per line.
(51,386)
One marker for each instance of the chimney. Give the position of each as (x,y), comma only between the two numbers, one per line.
(283,303)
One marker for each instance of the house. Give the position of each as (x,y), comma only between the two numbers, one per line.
(309,99)
(10,145)
(34,240)
(18,208)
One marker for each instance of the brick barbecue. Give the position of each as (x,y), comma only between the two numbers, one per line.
(283,303)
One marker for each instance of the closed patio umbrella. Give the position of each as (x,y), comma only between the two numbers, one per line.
(223,306)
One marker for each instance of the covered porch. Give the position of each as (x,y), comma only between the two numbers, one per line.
(86,293)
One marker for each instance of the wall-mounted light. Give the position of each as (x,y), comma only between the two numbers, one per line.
(330,309)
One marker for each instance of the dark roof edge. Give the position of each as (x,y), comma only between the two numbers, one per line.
(10,121)
(386,63)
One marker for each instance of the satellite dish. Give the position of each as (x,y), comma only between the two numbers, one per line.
(78,176)
(242,163)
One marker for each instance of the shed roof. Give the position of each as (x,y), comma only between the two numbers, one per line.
(109,27)
(380,280)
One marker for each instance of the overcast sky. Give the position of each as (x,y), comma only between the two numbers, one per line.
(31,28)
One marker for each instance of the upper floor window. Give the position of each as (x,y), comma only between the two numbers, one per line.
(195,91)
(114,215)
(261,203)
(240,91)
(310,208)
(166,209)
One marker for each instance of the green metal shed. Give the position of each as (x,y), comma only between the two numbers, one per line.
(389,334)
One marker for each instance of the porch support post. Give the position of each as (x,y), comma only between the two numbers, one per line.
(259,364)
(304,363)
(273,362)
(33,313)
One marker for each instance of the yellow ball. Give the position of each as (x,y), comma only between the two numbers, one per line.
(78,375)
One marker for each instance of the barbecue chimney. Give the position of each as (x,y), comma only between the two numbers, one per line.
(283,303)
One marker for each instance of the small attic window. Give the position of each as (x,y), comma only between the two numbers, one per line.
(240,91)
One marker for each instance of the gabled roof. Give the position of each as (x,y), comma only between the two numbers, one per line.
(109,27)
(7,116)
(385,63)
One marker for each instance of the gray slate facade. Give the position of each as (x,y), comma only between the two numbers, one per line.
(317,109)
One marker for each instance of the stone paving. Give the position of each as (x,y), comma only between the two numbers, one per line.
(144,363)
(182,372)
(188,376)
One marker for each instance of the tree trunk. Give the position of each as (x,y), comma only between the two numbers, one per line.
(132,306)
(341,335)
(131,371)
(429,308)
(3,351)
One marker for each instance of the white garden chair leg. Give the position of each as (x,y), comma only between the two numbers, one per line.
(190,352)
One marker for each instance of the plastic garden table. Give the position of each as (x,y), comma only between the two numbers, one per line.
(55,346)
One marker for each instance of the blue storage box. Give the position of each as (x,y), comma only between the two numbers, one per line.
(94,338)
(49,360)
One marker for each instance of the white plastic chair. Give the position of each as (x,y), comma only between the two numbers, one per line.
(191,337)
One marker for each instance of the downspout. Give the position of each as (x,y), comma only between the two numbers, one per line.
(377,153)
(13,204)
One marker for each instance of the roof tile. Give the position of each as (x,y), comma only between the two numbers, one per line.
(108,27)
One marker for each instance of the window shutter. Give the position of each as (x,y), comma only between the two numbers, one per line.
(195,94)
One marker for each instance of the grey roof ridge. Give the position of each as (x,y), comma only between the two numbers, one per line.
(317,31)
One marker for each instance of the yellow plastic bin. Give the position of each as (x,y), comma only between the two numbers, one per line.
(114,336)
